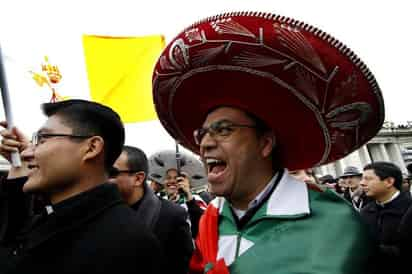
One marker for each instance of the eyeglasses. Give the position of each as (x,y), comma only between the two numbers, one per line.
(218,130)
(39,137)
(114,172)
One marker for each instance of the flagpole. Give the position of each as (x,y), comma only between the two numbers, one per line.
(15,157)
(178,157)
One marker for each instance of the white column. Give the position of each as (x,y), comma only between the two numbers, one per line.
(327,169)
(332,170)
(384,152)
(374,152)
(339,166)
(364,155)
(319,171)
(378,152)
(395,156)
(353,159)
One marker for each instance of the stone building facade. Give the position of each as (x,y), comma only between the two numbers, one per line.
(393,144)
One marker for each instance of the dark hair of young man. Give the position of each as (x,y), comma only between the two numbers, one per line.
(385,170)
(91,119)
(136,159)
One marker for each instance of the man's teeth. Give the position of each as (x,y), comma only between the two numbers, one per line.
(213,161)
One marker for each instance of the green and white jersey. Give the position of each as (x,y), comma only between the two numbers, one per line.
(297,230)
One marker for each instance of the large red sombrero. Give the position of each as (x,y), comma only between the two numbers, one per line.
(317,95)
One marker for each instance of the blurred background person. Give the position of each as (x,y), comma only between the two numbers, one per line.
(353,192)
(406,184)
(157,187)
(328,181)
(180,174)
(304,175)
(389,216)
(165,219)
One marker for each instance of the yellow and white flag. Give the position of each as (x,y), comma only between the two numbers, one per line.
(115,71)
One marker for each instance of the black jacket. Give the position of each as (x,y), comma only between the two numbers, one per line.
(392,229)
(93,232)
(168,222)
(195,212)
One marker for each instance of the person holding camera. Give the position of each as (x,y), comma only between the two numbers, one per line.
(179,177)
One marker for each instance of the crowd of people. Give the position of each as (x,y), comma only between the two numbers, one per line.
(232,89)
(382,196)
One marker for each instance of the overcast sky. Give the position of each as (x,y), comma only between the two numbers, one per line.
(379,32)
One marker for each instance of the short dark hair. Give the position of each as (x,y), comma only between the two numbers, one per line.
(136,159)
(385,170)
(91,118)
(327,179)
(261,129)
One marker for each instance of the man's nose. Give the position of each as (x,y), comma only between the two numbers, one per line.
(207,143)
(362,183)
(306,178)
(28,153)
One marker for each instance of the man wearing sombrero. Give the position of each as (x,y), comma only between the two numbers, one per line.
(260,93)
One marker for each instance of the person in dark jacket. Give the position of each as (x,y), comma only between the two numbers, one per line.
(86,227)
(387,216)
(166,219)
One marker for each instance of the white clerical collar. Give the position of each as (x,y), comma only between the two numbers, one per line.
(49,209)
(396,194)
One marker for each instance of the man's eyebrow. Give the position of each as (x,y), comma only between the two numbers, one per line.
(223,121)
(44,130)
(220,122)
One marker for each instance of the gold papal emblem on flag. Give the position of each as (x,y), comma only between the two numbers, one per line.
(49,76)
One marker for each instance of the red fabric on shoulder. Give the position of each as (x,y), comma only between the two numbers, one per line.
(207,245)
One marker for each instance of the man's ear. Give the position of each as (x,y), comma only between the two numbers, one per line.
(389,182)
(139,178)
(268,143)
(93,147)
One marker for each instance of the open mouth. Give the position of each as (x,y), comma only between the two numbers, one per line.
(215,165)
(215,169)
(171,186)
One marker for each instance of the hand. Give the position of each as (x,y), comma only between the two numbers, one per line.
(183,184)
(13,141)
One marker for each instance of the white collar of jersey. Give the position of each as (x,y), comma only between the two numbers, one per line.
(290,199)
